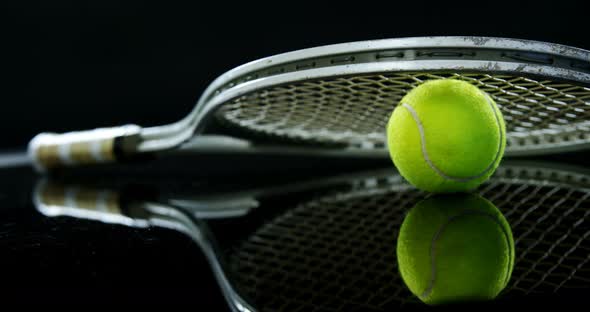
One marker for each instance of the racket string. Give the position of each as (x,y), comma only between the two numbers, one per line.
(354,111)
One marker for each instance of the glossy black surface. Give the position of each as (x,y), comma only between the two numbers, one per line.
(65,259)
(46,261)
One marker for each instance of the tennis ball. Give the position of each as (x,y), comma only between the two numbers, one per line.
(446,135)
(455,248)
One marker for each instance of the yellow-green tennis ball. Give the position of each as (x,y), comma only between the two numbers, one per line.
(446,135)
(455,248)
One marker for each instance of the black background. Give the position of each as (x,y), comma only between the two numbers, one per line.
(83,64)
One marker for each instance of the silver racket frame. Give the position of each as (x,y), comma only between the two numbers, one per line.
(495,55)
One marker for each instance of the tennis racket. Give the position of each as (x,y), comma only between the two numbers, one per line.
(339,98)
(332,246)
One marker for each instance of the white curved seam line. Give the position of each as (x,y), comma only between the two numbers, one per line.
(428,289)
(500,133)
(433,166)
(510,251)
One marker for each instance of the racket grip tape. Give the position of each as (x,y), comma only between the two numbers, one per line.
(51,150)
(55,199)
(105,205)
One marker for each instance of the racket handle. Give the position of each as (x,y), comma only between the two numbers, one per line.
(52,150)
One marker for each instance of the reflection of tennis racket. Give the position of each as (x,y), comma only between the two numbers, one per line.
(335,250)
(342,95)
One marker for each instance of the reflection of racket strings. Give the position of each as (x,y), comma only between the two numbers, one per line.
(335,252)
(550,222)
(339,252)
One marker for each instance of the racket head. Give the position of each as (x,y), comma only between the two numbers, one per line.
(342,95)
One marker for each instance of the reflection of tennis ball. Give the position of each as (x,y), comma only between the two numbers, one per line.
(446,135)
(454,248)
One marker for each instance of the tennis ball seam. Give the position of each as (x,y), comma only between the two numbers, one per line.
(434,167)
(432,281)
